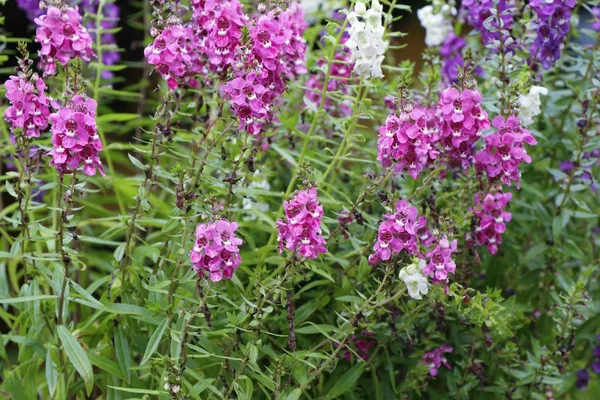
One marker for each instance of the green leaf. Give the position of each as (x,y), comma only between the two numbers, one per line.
(155,340)
(133,390)
(347,381)
(116,117)
(294,395)
(51,372)
(28,298)
(77,357)
(123,354)
(105,364)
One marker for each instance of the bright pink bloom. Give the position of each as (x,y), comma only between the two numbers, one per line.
(492,219)
(504,150)
(29,107)
(216,250)
(463,121)
(75,137)
(301,230)
(440,262)
(435,358)
(169,54)
(62,37)
(398,232)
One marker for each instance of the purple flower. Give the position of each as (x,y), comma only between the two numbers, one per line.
(552,24)
(440,262)
(435,358)
(29,106)
(451,52)
(492,219)
(583,379)
(596,20)
(476,12)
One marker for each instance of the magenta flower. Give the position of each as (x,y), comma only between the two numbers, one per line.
(169,54)
(504,150)
(301,231)
(492,219)
(440,262)
(552,23)
(435,358)
(397,233)
(216,250)
(29,106)
(75,137)
(463,121)
(62,37)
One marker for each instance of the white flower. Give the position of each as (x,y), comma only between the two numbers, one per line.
(437,26)
(311,7)
(366,39)
(416,282)
(251,204)
(530,104)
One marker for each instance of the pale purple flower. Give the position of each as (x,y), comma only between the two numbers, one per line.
(435,358)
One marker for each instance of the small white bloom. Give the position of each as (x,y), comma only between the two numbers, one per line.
(530,104)
(416,282)
(437,26)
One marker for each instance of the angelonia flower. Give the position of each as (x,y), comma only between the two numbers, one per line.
(366,39)
(552,24)
(216,250)
(584,173)
(169,54)
(476,12)
(596,19)
(361,346)
(440,262)
(493,217)
(435,358)
(583,379)
(530,104)
(311,7)
(451,54)
(414,279)
(396,233)
(31,7)
(62,38)
(75,137)
(437,23)
(301,231)
(463,121)
(504,150)
(406,141)
(29,106)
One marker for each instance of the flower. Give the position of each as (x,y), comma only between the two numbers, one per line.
(451,52)
(492,218)
(169,54)
(440,262)
(396,233)
(416,283)
(31,7)
(504,150)
(248,203)
(583,379)
(552,23)
(29,106)
(62,37)
(216,250)
(438,25)
(435,358)
(75,137)
(530,104)
(477,12)
(366,39)
(301,231)
(596,19)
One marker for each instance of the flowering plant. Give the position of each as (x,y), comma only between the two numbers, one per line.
(206,199)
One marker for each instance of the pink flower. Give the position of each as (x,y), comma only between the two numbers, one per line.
(216,250)
(62,37)
(463,121)
(169,54)
(75,138)
(29,107)
(492,219)
(301,231)
(435,358)
(440,262)
(504,150)
(397,233)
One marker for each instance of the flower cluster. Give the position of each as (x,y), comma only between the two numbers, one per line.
(362,347)
(530,104)
(29,106)
(169,53)
(216,250)
(440,262)
(75,138)
(463,121)
(435,358)
(366,39)
(583,376)
(504,150)
(407,141)
(492,216)
(478,11)
(438,25)
(301,230)
(552,24)
(396,233)
(414,279)
(451,53)
(584,173)
(62,37)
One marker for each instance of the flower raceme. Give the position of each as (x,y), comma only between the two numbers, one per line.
(492,219)
(440,262)
(216,250)
(438,25)
(62,37)
(301,231)
(29,106)
(169,54)
(75,137)
(435,358)
(552,24)
(414,279)
(476,12)
(530,104)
